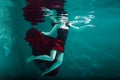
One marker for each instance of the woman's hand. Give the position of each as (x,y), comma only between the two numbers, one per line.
(50,14)
(45,72)
(91,26)
(31,58)
(46,33)
(45,9)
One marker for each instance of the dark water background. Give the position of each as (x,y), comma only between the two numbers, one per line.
(90,54)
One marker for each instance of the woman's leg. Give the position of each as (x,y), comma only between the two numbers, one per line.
(43,57)
(55,65)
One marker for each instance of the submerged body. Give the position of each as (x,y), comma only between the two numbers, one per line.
(42,45)
(62,26)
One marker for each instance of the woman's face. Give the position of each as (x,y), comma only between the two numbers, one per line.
(63,19)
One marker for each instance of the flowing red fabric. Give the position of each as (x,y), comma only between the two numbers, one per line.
(42,45)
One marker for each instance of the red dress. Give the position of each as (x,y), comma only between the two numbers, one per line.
(42,45)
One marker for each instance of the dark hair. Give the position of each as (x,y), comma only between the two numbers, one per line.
(32,12)
(61,11)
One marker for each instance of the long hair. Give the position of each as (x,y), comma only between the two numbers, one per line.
(33,11)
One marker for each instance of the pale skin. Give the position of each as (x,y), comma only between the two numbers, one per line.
(63,20)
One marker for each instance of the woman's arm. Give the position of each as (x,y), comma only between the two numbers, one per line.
(44,57)
(54,19)
(55,65)
(52,30)
(81,27)
(51,14)
(57,25)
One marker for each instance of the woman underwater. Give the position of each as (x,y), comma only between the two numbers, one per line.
(53,51)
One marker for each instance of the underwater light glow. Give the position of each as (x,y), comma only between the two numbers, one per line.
(6,42)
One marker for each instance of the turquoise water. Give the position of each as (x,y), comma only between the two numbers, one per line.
(90,54)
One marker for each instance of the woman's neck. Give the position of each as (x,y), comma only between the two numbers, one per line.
(64,26)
